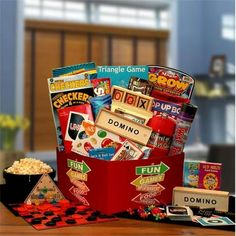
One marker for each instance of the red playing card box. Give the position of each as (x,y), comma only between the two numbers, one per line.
(115,186)
(210,175)
(64,115)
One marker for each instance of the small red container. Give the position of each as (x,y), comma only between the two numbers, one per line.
(163,130)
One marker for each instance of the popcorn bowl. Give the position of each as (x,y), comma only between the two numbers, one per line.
(18,186)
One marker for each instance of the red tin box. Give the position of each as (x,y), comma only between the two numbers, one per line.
(115,186)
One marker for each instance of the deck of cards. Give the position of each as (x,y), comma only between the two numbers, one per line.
(215,221)
(179,213)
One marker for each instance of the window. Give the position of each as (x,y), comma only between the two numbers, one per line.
(127,16)
(95,12)
(227,31)
(55,9)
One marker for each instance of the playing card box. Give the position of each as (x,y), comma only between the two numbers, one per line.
(115,186)
(191,173)
(210,175)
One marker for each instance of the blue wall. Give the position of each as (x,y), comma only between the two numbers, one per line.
(196,36)
(12,60)
(213,42)
(190,36)
(197,33)
(7,55)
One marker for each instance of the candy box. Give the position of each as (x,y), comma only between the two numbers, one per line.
(115,186)
(210,175)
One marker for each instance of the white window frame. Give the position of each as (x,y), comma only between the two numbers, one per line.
(90,13)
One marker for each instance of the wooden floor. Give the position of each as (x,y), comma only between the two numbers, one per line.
(12,225)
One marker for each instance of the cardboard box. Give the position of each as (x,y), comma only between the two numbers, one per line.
(115,186)
(210,175)
(191,173)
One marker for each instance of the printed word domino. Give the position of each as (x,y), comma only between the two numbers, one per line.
(132,98)
(204,198)
(122,126)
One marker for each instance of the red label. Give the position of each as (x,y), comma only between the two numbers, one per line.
(181,134)
(174,150)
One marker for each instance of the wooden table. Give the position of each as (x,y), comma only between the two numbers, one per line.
(12,225)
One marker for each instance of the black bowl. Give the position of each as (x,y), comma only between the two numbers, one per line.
(18,187)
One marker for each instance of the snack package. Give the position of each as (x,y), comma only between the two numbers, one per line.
(68,91)
(92,137)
